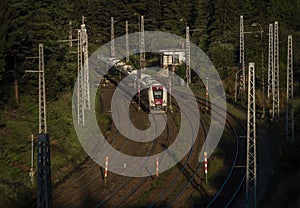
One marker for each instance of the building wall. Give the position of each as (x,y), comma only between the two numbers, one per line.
(173,57)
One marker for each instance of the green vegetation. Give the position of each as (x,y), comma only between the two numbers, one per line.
(15,144)
(284,189)
(26,23)
(158,183)
(103,120)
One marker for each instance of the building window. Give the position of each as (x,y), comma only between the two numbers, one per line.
(176,59)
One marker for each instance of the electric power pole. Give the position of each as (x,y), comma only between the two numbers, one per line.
(127,42)
(188,57)
(80,109)
(242,55)
(80,90)
(276,72)
(83,88)
(44,195)
(44,170)
(270,61)
(70,35)
(142,60)
(290,92)
(42,92)
(70,40)
(112,38)
(251,141)
(84,45)
(31,173)
(142,44)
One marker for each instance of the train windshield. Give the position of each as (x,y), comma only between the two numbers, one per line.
(157,94)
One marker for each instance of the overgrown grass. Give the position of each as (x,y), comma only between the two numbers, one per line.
(157,183)
(284,189)
(104,121)
(286,192)
(15,143)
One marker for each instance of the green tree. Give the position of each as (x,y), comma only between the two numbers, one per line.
(204,10)
(222,55)
(14,47)
(3,31)
(31,23)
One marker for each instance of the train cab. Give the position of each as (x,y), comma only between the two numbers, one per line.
(157,97)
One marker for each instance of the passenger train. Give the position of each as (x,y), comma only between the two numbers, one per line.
(156,96)
(153,97)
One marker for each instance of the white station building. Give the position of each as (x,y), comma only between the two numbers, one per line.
(174,56)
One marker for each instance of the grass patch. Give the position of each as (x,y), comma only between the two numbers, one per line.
(103,120)
(159,182)
(286,192)
(197,200)
(15,148)
(284,189)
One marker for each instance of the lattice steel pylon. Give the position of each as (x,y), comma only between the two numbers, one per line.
(270,61)
(127,41)
(251,141)
(242,54)
(70,35)
(142,60)
(290,92)
(85,65)
(142,44)
(112,38)
(83,85)
(42,92)
(188,56)
(275,84)
(80,84)
(44,196)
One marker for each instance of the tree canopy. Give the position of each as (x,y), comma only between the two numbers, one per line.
(25,23)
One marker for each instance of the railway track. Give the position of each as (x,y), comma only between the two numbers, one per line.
(219,200)
(72,201)
(188,180)
(128,180)
(102,203)
(235,179)
(122,202)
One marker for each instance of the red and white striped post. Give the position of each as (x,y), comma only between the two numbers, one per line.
(205,166)
(105,172)
(156,166)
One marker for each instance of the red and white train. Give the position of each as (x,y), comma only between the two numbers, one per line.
(153,97)
(157,97)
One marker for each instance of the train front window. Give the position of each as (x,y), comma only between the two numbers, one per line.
(157,94)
